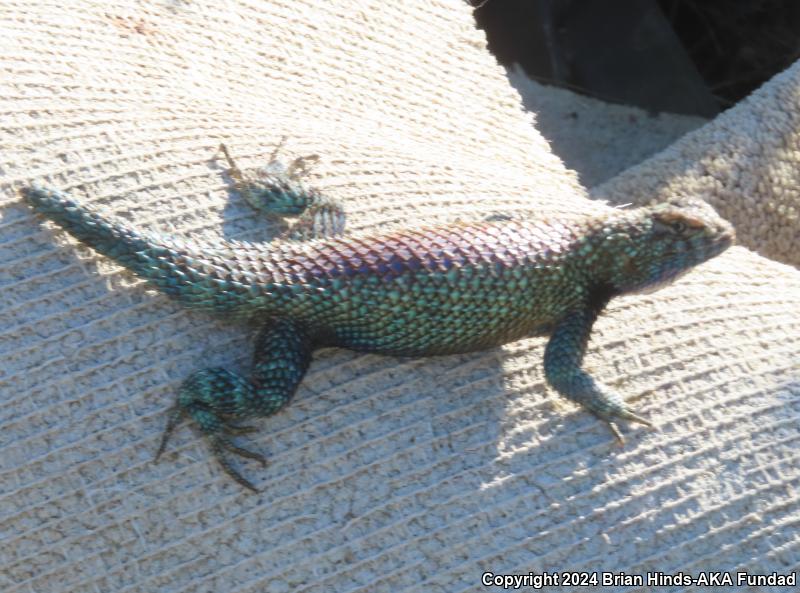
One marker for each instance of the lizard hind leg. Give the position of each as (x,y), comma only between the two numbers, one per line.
(217,399)
(277,190)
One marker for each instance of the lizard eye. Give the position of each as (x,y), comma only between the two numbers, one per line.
(678,226)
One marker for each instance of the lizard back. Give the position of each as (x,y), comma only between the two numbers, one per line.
(434,290)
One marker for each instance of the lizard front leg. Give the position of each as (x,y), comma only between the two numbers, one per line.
(216,399)
(562,367)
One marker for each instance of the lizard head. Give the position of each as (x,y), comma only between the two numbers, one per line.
(651,246)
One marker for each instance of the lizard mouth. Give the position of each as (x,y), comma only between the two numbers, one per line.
(726,236)
(723,242)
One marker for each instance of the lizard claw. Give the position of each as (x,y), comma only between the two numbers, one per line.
(175,416)
(239,430)
(626,415)
(615,429)
(225,443)
(221,443)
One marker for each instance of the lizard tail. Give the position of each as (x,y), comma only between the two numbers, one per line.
(170,265)
(116,241)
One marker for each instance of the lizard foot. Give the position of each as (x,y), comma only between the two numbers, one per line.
(217,399)
(213,398)
(625,414)
(276,190)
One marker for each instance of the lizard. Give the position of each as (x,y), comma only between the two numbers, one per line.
(413,292)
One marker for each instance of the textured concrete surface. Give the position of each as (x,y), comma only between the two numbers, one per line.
(386,474)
